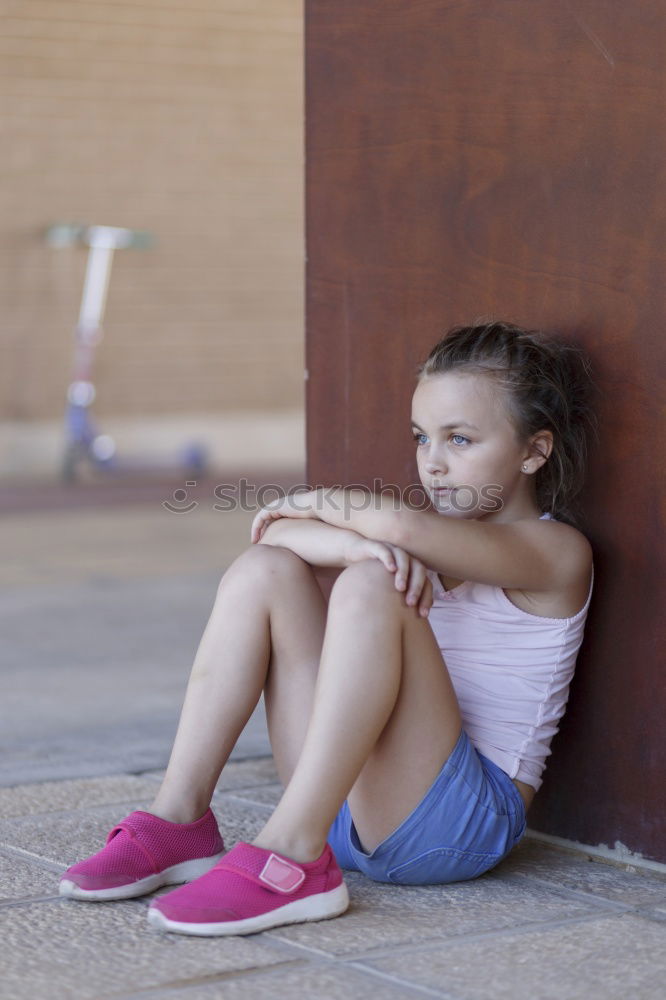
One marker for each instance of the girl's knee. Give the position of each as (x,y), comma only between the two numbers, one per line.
(367,579)
(265,563)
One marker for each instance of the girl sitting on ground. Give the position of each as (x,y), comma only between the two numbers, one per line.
(410,717)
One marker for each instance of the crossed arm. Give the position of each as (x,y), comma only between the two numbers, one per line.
(529,554)
(321,544)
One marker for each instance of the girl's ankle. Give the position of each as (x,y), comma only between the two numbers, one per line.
(177,813)
(297,849)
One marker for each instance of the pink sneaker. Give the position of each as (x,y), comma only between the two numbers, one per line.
(250,890)
(142,853)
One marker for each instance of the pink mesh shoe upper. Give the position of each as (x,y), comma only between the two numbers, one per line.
(142,845)
(235,889)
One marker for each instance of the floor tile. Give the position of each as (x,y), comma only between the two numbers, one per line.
(384,916)
(567,869)
(72,950)
(611,958)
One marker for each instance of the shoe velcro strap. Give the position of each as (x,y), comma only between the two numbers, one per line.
(277,874)
(132,833)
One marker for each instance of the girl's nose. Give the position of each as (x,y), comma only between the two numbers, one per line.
(435,465)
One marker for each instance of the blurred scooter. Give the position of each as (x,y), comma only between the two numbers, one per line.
(83,442)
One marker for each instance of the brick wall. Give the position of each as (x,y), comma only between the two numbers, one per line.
(184,120)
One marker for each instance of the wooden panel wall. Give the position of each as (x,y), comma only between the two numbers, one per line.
(507,158)
(182,119)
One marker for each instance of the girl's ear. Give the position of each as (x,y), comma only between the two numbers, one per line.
(539,448)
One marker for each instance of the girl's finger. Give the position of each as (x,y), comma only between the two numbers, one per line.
(260,523)
(258,527)
(261,528)
(417,578)
(425,603)
(384,554)
(254,529)
(374,550)
(386,557)
(402,572)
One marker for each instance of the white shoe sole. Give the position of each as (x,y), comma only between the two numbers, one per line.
(320,907)
(186,871)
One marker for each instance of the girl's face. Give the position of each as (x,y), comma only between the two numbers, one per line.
(465,442)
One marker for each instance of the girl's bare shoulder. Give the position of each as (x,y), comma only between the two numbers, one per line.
(572,550)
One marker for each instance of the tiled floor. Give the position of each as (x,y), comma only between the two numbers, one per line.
(544,924)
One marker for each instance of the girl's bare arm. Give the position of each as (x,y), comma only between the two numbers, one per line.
(529,554)
(321,544)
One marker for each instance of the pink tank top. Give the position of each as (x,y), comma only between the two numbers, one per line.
(510,669)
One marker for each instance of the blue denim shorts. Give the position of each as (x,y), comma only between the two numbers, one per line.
(471,817)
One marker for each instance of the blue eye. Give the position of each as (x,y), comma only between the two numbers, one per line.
(421,439)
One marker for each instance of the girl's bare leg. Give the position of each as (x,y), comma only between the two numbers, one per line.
(266,629)
(384,718)
(384,721)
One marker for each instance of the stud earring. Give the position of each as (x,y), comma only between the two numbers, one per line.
(524,468)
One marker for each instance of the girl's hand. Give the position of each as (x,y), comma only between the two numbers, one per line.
(410,573)
(291,505)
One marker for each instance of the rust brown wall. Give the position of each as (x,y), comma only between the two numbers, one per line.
(507,159)
(185,120)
